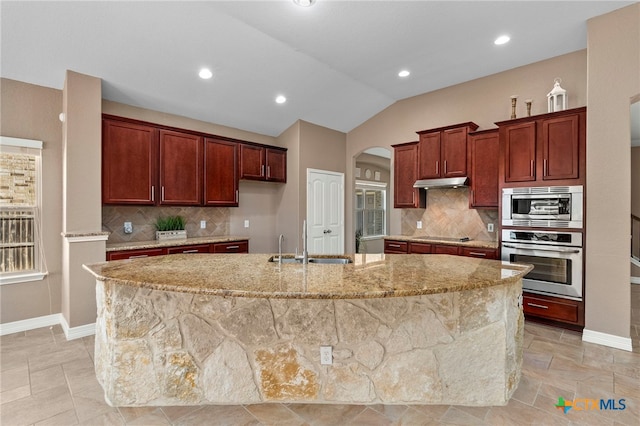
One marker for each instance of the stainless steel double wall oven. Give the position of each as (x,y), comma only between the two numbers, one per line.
(533,222)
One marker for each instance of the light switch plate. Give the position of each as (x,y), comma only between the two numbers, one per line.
(490,227)
(419,224)
(203,224)
(246,223)
(128,228)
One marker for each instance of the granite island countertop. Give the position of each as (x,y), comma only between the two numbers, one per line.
(252,275)
(435,240)
(138,245)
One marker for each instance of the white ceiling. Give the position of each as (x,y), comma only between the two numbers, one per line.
(336,62)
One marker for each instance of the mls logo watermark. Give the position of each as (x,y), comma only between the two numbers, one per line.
(588,404)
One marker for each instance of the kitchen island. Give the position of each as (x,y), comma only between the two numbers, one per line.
(239,329)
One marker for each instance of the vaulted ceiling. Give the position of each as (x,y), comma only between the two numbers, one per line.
(336,62)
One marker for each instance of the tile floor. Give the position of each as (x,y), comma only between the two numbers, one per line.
(47,380)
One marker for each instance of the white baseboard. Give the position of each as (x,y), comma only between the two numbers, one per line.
(605,339)
(48,321)
(29,324)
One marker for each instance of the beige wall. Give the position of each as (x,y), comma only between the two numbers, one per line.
(483,101)
(31,112)
(288,215)
(614,78)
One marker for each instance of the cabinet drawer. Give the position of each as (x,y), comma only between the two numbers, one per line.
(441,249)
(420,248)
(135,254)
(479,252)
(556,309)
(231,247)
(391,246)
(200,248)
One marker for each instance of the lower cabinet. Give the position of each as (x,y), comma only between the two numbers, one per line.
(553,308)
(443,249)
(420,248)
(479,252)
(392,246)
(240,246)
(404,247)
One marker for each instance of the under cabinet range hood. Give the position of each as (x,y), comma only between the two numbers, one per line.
(457,182)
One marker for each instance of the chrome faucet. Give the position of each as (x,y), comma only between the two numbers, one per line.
(280,238)
(305,252)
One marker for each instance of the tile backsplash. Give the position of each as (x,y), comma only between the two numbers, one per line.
(448,215)
(143,219)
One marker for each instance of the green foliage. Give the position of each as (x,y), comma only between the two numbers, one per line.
(170,223)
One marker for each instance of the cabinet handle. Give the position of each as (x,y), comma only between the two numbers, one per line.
(232,247)
(162,193)
(437,167)
(268,172)
(139,256)
(535,305)
(236,195)
(544,168)
(153,193)
(532,162)
(394,245)
(475,253)
(445,167)
(190,251)
(262,170)
(413,198)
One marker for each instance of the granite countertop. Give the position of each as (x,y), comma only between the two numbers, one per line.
(435,240)
(252,275)
(137,245)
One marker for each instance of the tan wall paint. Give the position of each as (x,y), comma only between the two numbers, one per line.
(483,101)
(614,78)
(31,112)
(288,215)
(81,198)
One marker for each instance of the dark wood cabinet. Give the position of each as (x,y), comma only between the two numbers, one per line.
(479,252)
(554,309)
(443,151)
(231,247)
(220,173)
(180,168)
(263,163)
(547,149)
(129,163)
(420,248)
(405,174)
(393,246)
(135,254)
(484,150)
(445,249)
(198,248)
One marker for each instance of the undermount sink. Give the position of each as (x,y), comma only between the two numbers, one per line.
(318,260)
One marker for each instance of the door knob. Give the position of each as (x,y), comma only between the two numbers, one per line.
(326,231)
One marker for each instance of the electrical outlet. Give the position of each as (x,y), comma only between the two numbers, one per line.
(128,228)
(246,223)
(419,224)
(326,357)
(203,224)
(490,227)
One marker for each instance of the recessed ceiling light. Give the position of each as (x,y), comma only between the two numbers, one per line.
(404,73)
(280,99)
(502,40)
(304,3)
(205,73)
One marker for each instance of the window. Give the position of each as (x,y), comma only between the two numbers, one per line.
(21,255)
(371,201)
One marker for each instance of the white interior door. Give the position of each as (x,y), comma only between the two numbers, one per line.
(325,212)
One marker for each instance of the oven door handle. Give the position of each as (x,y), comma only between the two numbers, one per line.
(557,250)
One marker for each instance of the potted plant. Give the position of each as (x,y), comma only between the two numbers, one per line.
(358,239)
(170,227)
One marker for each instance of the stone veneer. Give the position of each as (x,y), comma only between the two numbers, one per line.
(156,347)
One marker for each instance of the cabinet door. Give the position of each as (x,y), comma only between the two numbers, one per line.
(220,173)
(399,247)
(442,249)
(129,163)
(252,162)
(520,152)
(231,247)
(479,252)
(454,152)
(180,168)
(429,151)
(198,248)
(560,148)
(420,248)
(484,150)
(276,160)
(405,171)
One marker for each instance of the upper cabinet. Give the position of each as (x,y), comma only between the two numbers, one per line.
(220,173)
(405,174)
(443,151)
(180,168)
(149,164)
(129,163)
(484,149)
(263,163)
(548,148)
